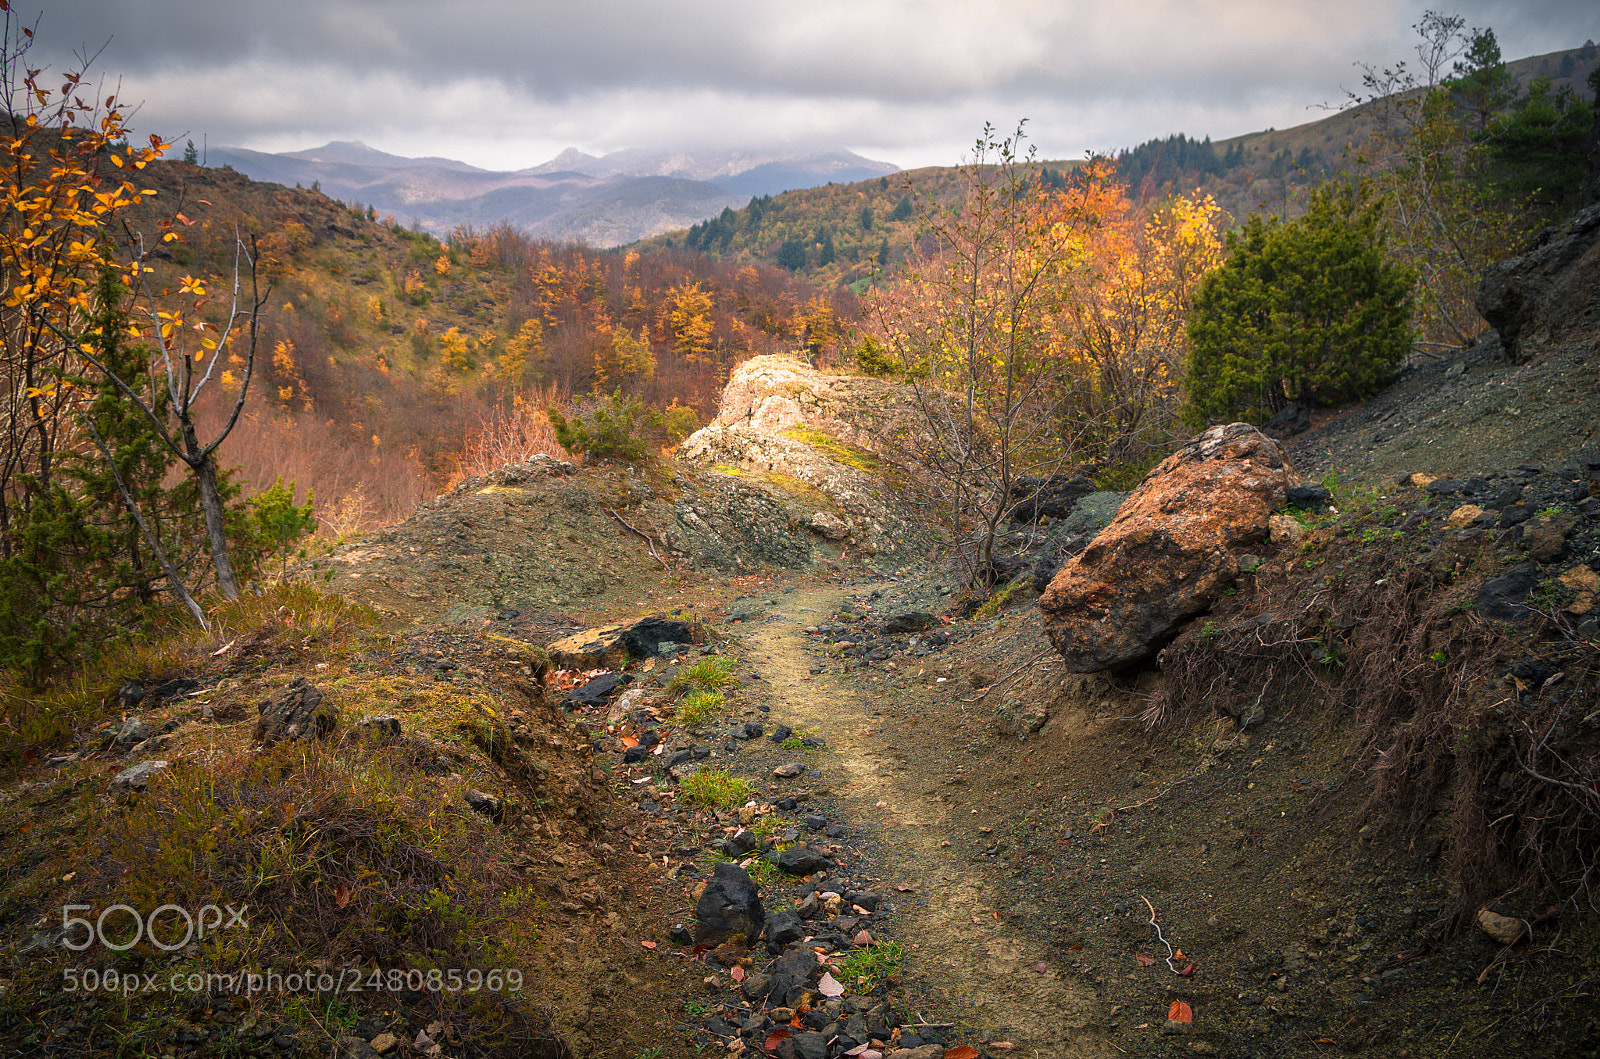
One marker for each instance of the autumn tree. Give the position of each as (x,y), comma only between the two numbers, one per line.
(1128,327)
(69,181)
(974,321)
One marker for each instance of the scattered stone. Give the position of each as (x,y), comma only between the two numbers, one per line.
(134,731)
(912,621)
(380,726)
(384,1043)
(1309,496)
(1586,584)
(608,646)
(355,1048)
(597,692)
(804,1046)
(1501,598)
(816,821)
(293,712)
(740,842)
(783,927)
(755,986)
(789,771)
(730,905)
(1021,718)
(1545,539)
(1464,516)
(1293,418)
(136,777)
(780,733)
(1505,930)
(798,860)
(828,526)
(486,805)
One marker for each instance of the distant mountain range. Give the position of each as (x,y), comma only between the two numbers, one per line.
(605,201)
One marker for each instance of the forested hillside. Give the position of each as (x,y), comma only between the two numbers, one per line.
(383,351)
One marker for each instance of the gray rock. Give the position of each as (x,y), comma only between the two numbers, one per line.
(804,1046)
(133,732)
(755,986)
(485,804)
(912,621)
(1502,597)
(1021,718)
(293,712)
(136,777)
(730,905)
(829,527)
(740,842)
(789,771)
(1531,298)
(381,726)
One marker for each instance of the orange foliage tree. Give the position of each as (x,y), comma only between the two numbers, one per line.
(1042,327)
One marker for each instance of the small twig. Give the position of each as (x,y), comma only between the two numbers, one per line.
(1009,676)
(648,542)
(1163,938)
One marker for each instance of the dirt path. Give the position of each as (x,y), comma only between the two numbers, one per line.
(965,961)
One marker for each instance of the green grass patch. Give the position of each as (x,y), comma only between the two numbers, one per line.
(716,788)
(728,469)
(698,707)
(865,970)
(836,450)
(713,672)
(1001,597)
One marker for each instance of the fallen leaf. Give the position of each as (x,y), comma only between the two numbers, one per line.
(962,1051)
(775,1038)
(1142,1026)
(699,950)
(1180,1012)
(629,741)
(1041,967)
(648,944)
(1074,948)
(1187,972)
(1144,961)
(736,973)
(829,986)
(906,889)
(341,895)
(1178,955)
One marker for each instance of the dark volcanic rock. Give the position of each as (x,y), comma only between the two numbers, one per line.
(1293,418)
(1052,497)
(1533,298)
(798,860)
(1502,597)
(597,691)
(913,621)
(295,711)
(784,927)
(730,905)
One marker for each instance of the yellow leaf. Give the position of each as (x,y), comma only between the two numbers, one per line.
(116,161)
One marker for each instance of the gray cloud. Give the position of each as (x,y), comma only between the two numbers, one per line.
(506,84)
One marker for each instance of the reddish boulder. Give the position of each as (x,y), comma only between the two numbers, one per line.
(1170,551)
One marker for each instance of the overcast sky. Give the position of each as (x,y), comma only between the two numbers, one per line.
(506,84)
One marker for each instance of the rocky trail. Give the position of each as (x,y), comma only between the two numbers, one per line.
(975,966)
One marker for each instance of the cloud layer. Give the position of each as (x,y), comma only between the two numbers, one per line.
(506,84)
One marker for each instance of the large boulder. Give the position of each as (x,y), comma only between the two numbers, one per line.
(1170,551)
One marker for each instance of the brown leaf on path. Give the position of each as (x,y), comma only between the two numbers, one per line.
(736,973)
(648,944)
(1187,972)
(341,895)
(1041,967)
(1180,1012)
(962,1051)
(1144,961)
(775,1038)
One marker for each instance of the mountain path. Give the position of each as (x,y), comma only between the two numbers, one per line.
(966,963)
